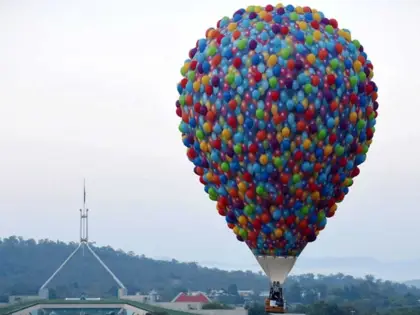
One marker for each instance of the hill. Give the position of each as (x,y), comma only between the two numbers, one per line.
(415,283)
(26,264)
(358,266)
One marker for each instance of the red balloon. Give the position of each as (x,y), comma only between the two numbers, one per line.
(266,218)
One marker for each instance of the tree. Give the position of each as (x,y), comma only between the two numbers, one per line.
(216,306)
(233,289)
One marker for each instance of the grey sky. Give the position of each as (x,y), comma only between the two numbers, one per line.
(87,89)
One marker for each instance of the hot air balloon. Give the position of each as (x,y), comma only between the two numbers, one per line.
(278,110)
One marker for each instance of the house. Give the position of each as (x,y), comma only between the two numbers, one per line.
(246,293)
(214,294)
(190,300)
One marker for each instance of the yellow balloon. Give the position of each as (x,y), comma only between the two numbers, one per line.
(242,187)
(196,86)
(226,135)
(272,61)
(311,58)
(307,144)
(328,150)
(353,117)
(278,233)
(205,79)
(204,146)
(242,220)
(299,10)
(357,65)
(317,35)
(232,27)
(285,132)
(207,127)
(240,119)
(303,26)
(264,159)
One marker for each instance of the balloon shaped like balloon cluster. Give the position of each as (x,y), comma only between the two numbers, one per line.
(278,109)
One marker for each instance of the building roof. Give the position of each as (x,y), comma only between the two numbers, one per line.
(197,297)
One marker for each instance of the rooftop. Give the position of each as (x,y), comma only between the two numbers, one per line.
(194,297)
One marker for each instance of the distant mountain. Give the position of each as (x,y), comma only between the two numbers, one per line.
(355,266)
(360,266)
(415,283)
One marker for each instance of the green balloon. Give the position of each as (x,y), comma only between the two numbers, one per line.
(294,16)
(322,134)
(334,63)
(272,82)
(259,26)
(243,233)
(278,162)
(304,210)
(242,44)
(199,134)
(339,150)
(182,100)
(285,53)
(329,29)
(180,126)
(321,216)
(211,50)
(296,178)
(212,194)
(225,167)
(248,210)
(230,78)
(260,113)
(237,148)
(191,75)
(260,190)
(361,124)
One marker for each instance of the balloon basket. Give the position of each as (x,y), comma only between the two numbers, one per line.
(275,303)
(274,309)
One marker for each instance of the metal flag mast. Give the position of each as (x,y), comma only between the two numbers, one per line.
(83,243)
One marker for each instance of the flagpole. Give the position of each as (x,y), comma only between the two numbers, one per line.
(84,237)
(84,242)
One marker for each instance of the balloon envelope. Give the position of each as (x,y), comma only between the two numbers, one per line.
(277,268)
(278,109)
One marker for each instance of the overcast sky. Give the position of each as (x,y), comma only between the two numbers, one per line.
(87,89)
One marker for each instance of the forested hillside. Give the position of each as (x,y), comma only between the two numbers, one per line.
(26,264)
